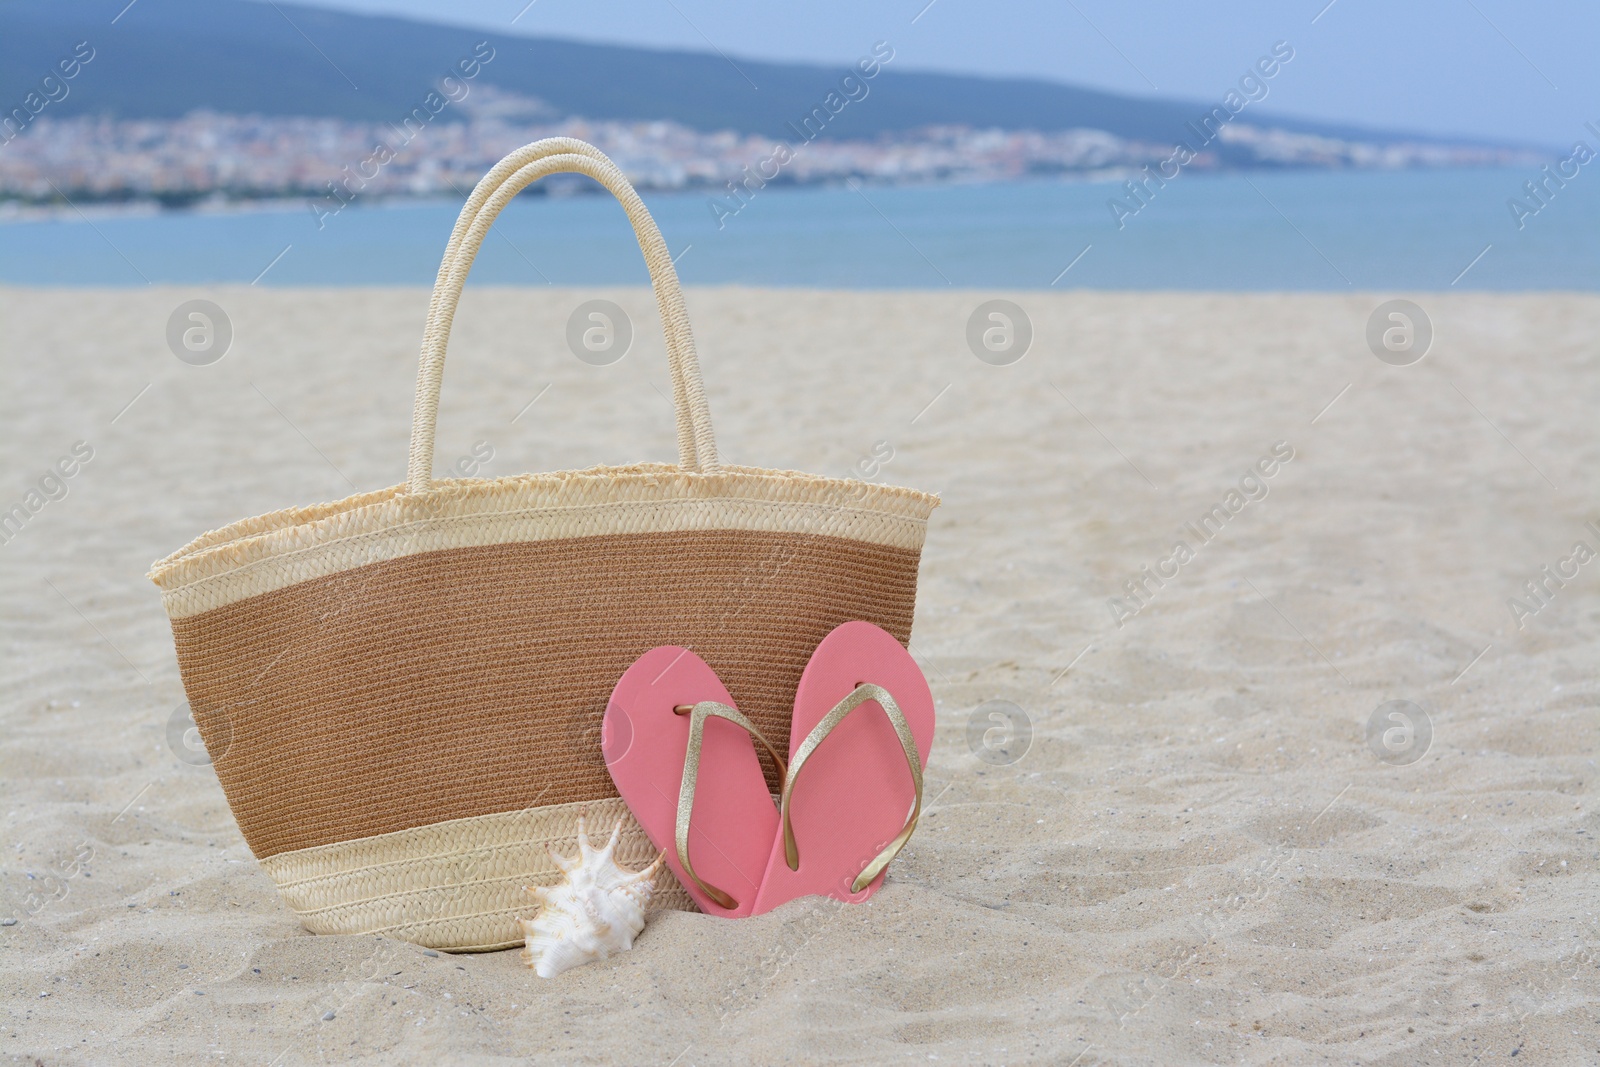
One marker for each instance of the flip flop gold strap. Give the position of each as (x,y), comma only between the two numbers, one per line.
(698,714)
(860,695)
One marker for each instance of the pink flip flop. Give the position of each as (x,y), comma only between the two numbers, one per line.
(862,730)
(681,755)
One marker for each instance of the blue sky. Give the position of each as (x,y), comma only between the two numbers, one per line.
(1485,68)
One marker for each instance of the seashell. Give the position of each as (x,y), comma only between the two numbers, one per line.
(598,910)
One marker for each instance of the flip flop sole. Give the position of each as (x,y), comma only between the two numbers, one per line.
(856,791)
(644,743)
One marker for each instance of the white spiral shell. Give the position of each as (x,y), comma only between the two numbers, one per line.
(596,911)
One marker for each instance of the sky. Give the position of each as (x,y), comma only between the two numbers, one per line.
(1490,69)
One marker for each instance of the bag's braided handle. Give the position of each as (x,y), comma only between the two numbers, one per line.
(697,446)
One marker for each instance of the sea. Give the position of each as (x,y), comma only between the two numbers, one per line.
(1417,230)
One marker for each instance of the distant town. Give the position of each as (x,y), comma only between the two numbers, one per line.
(207,160)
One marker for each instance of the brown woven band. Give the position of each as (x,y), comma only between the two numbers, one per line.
(462,682)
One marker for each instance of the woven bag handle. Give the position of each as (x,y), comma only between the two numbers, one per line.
(697,446)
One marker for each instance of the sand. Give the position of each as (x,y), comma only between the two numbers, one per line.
(1197,859)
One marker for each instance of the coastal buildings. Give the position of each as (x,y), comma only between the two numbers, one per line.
(207,156)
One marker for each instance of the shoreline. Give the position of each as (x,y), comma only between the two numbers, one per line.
(13,210)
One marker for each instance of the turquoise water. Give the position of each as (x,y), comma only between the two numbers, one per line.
(1308,230)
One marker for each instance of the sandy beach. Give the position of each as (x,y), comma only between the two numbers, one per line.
(1185,845)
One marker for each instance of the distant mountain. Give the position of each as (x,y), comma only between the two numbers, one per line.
(166,58)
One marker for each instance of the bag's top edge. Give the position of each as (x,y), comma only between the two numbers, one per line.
(288,530)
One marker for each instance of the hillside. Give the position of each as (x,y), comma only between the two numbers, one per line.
(166,58)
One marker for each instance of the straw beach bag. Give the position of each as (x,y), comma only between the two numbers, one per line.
(402,691)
